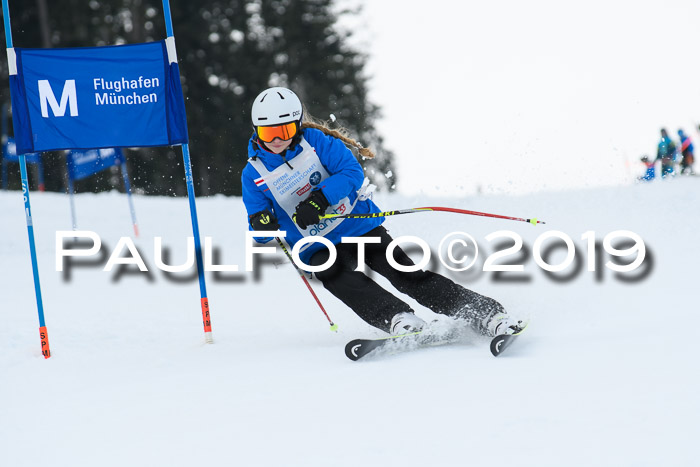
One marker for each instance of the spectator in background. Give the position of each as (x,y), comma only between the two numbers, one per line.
(687,152)
(651,170)
(666,153)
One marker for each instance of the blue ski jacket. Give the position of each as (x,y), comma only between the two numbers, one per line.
(345,178)
(666,149)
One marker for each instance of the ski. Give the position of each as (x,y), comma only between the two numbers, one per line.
(359,348)
(503,341)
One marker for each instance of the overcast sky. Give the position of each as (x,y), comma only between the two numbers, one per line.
(514,96)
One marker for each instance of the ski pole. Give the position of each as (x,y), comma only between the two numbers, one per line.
(532,221)
(334,327)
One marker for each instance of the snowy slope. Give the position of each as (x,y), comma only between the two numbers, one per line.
(606,375)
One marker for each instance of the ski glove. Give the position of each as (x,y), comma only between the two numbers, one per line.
(309,211)
(264,220)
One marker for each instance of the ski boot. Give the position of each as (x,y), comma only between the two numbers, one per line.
(405,323)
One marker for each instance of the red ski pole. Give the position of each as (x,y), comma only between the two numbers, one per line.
(334,327)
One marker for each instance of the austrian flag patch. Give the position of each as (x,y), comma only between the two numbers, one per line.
(259,181)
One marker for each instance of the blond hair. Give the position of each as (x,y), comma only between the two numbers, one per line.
(340,133)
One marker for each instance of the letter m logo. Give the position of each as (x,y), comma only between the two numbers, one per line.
(47,98)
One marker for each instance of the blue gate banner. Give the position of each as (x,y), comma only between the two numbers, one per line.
(82,164)
(10,153)
(97,97)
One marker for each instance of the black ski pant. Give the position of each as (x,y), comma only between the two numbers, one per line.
(377,306)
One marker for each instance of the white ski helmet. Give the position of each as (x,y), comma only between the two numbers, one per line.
(275,106)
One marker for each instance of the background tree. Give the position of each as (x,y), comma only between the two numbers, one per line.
(229,51)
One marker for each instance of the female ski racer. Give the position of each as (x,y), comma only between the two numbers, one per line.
(299,170)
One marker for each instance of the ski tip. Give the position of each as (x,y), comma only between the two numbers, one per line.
(354,350)
(358,348)
(500,343)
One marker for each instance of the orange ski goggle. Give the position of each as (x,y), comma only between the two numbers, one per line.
(283,132)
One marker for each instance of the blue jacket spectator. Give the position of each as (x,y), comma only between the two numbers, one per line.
(666,153)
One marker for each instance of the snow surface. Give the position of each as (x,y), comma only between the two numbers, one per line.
(606,374)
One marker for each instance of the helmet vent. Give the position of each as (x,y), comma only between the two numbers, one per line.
(276,106)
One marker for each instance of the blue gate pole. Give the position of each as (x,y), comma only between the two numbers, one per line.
(127,188)
(71,199)
(190,195)
(40,173)
(46,352)
(5,139)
